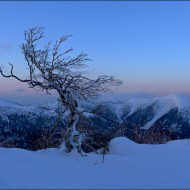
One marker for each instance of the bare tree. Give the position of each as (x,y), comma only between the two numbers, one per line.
(53,69)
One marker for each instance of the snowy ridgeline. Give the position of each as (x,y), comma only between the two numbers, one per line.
(150,120)
(115,107)
(128,165)
(120,106)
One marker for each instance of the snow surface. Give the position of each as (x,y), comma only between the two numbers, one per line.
(128,166)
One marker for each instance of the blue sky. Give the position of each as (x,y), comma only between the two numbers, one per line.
(145,44)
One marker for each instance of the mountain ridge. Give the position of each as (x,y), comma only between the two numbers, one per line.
(128,117)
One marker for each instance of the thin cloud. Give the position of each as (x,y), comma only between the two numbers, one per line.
(20,90)
(5,46)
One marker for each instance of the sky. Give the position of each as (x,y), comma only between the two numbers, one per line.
(146,44)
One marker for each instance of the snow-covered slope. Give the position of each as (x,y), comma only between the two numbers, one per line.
(122,107)
(171,113)
(8,107)
(127,166)
(161,104)
(154,108)
(19,124)
(165,104)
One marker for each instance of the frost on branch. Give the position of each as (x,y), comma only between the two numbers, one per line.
(50,68)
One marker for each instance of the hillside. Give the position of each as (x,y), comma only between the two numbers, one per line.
(150,120)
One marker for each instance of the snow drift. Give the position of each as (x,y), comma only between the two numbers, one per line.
(127,166)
